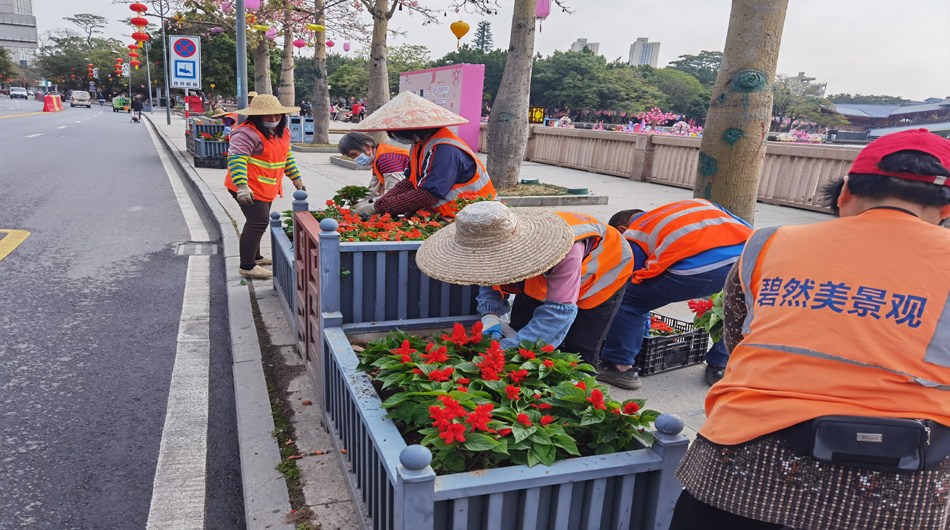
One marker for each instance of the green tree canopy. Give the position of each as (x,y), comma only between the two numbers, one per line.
(90,24)
(8,69)
(483,37)
(405,58)
(870,100)
(683,93)
(704,66)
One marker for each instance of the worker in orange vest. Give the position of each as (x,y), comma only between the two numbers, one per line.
(681,251)
(834,411)
(388,162)
(567,270)
(441,166)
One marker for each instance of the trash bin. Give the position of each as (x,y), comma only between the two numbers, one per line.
(296,129)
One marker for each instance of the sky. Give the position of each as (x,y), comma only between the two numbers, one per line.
(879,47)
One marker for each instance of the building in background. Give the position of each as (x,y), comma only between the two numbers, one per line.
(18,30)
(579,45)
(803,85)
(643,52)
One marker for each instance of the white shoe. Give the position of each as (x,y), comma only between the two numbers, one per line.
(257,272)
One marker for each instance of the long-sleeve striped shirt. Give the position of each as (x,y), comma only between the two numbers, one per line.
(237,165)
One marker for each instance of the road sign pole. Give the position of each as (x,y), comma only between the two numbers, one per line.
(162,7)
(240,33)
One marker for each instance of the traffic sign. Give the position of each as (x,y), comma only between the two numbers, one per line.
(185,56)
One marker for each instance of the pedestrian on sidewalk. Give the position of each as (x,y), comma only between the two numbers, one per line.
(259,156)
(137,109)
(389,162)
(835,409)
(441,165)
(681,251)
(568,272)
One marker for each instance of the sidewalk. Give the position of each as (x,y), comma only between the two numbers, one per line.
(324,488)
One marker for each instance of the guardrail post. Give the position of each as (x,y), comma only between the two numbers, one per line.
(300,201)
(665,488)
(415,490)
(329,266)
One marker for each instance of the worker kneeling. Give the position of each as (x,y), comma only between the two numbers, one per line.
(567,270)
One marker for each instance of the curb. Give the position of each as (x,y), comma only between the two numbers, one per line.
(347,163)
(313,149)
(266,499)
(554,200)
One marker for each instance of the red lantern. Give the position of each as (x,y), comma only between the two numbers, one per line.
(140,37)
(118,59)
(138,8)
(133,54)
(132,46)
(139,22)
(90,65)
(135,64)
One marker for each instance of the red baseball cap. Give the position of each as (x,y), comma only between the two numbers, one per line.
(913,140)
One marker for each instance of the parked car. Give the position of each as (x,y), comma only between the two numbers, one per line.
(80,98)
(18,92)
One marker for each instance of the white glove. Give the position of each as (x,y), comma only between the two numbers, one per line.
(365,209)
(244,195)
(491,325)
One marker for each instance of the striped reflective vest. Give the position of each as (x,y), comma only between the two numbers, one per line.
(479,183)
(382,149)
(681,230)
(604,271)
(265,172)
(846,317)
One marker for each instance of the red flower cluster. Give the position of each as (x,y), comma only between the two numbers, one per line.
(518,376)
(433,355)
(441,375)
(526,354)
(380,227)
(461,338)
(700,306)
(444,417)
(658,327)
(597,399)
(631,408)
(480,417)
(405,351)
(492,364)
(512,392)
(524,420)
(546,419)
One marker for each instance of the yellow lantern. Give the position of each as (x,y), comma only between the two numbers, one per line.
(316,27)
(260,27)
(459,29)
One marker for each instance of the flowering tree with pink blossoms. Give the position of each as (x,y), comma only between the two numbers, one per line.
(655,117)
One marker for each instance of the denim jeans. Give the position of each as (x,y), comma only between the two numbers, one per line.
(632,322)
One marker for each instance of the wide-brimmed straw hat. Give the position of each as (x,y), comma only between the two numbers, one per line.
(491,244)
(219,112)
(409,111)
(252,94)
(266,104)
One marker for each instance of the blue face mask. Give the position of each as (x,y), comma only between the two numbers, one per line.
(364,159)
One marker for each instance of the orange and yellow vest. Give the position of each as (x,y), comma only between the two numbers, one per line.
(604,271)
(479,183)
(265,172)
(681,230)
(382,149)
(846,317)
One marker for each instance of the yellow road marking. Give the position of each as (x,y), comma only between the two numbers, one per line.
(25,114)
(11,240)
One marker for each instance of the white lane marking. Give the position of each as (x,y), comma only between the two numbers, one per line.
(78,122)
(33,135)
(62,126)
(179,489)
(195,227)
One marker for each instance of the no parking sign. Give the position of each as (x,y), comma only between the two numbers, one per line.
(185,54)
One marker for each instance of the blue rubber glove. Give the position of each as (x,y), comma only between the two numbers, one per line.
(491,325)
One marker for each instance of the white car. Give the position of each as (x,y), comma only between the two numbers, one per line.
(80,98)
(18,92)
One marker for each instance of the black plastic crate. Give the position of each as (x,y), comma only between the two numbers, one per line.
(664,353)
(212,162)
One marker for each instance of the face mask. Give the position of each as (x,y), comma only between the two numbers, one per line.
(270,124)
(364,159)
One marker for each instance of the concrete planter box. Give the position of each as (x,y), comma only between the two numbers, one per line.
(554,200)
(209,148)
(348,164)
(300,149)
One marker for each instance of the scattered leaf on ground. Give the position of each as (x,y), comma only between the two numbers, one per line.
(294,457)
(307,403)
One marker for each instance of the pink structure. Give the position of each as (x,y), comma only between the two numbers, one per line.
(457,88)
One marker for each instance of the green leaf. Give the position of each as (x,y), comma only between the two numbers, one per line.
(591,416)
(497,386)
(521,432)
(454,461)
(568,392)
(396,399)
(539,438)
(567,443)
(533,458)
(479,442)
(546,453)
(649,415)
(501,448)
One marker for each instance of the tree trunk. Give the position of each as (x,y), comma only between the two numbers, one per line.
(733,145)
(378,69)
(508,121)
(262,84)
(285,91)
(321,92)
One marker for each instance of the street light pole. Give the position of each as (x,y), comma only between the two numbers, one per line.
(240,34)
(148,70)
(162,7)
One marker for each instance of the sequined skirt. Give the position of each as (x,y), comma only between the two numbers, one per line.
(765,480)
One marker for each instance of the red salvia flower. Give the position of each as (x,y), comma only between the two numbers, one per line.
(547,349)
(436,356)
(512,392)
(504,432)
(700,306)
(524,420)
(545,406)
(597,399)
(454,433)
(526,354)
(580,385)
(548,362)
(441,375)
(405,351)
(417,371)
(546,419)
(518,376)
(480,417)
(631,408)
(462,388)
(463,380)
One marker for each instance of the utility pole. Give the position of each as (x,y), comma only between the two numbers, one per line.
(148,71)
(162,7)
(240,34)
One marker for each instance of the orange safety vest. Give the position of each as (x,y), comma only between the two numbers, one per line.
(265,172)
(847,317)
(681,230)
(479,183)
(382,149)
(604,270)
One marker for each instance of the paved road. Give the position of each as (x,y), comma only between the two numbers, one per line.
(90,319)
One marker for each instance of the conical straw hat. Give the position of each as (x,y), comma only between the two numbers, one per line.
(491,244)
(409,111)
(266,104)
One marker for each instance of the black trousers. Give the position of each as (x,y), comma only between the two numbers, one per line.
(589,330)
(692,514)
(256,221)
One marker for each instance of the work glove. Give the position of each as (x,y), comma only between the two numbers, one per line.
(365,209)
(491,325)
(244,195)
(508,332)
